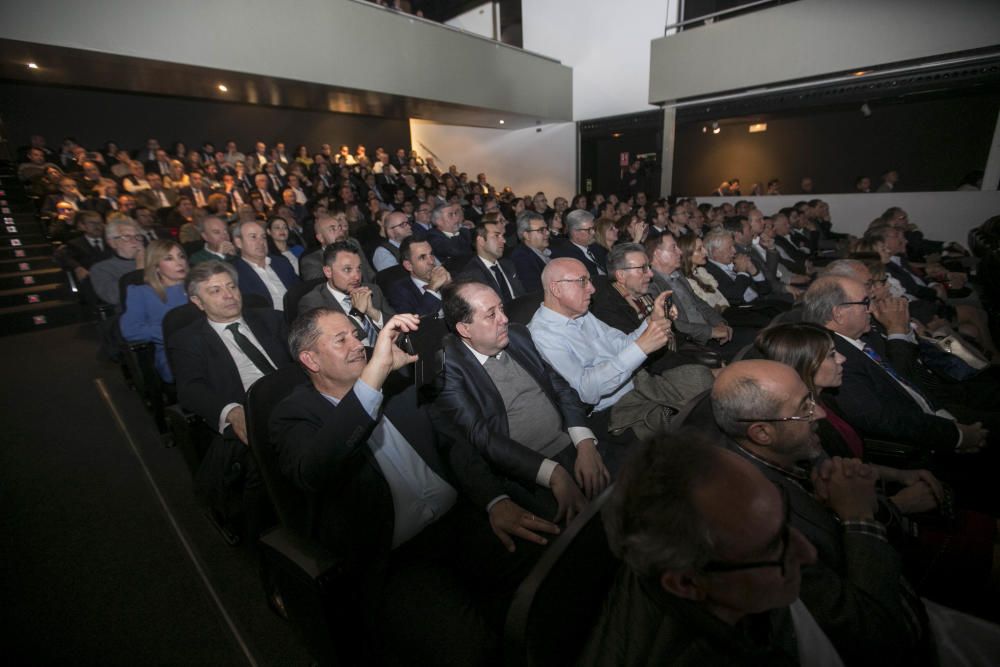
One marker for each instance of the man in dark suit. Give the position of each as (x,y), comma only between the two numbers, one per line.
(328,230)
(532,254)
(739,280)
(235,193)
(197,191)
(420,291)
(215,360)
(68,192)
(345,292)
(262,186)
(156,197)
(580,230)
(489,266)
(856,589)
(876,397)
(451,242)
(267,275)
(790,255)
(380,494)
(765,262)
(82,252)
(524,419)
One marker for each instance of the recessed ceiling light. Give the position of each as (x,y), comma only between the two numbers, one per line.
(501,122)
(223,88)
(32,66)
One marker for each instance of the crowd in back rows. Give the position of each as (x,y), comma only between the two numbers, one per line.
(575,332)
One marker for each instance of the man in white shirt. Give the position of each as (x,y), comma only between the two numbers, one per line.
(267,275)
(420,291)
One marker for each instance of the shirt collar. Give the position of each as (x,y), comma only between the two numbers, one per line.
(337,294)
(480,357)
(860,344)
(797,473)
(220,327)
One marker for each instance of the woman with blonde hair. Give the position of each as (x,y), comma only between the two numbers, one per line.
(162,290)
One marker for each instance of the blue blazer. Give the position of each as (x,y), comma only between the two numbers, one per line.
(404,297)
(250,282)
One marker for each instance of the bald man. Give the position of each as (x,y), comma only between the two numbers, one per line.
(856,590)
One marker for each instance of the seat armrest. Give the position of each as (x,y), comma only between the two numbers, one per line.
(309,556)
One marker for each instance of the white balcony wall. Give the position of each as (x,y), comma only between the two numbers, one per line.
(334,42)
(811,38)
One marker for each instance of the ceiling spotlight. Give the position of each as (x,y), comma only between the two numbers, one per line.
(715,128)
(223,88)
(758,127)
(704,129)
(860,72)
(616,134)
(32,66)
(501,122)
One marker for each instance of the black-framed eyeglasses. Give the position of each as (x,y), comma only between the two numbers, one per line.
(405,223)
(582,281)
(810,402)
(641,267)
(585,229)
(128,237)
(866,302)
(784,535)
(537,229)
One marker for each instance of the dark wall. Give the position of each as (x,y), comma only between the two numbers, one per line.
(94,117)
(933,144)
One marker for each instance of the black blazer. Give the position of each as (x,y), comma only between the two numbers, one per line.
(404,296)
(877,406)
(529,267)
(476,270)
(206,375)
(79,253)
(733,288)
(797,263)
(251,283)
(452,252)
(609,306)
(471,401)
(323,450)
(572,251)
(911,286)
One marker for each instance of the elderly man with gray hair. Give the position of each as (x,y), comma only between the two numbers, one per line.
(123,237)
(582,246)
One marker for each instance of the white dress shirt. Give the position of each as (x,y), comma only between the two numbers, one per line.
(249,373)
(272,282)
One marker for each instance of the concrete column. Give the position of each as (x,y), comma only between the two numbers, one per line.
(667,151)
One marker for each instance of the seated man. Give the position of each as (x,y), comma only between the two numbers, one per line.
(68,193)
(582,247)
(763,256)
(712,566)
(155,197)
(532,254)
(419,292)
(740,281)
(790,255)
(395,228)
(269,276)
(215,360)
(452,243)
(621,299)
(600,362)
(380,493)
(344,291)
(215,233)
(123,237)
(524,419)
(82,252)
(856,589)
(488,266)
(330,229)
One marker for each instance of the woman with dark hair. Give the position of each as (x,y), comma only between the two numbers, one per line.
(277,242)
(631,229)
(179,150)
(579,202)
(964,547)
(162,290)
(693,259)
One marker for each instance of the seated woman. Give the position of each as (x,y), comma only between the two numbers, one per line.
(631,228)
(948,549)
(163,290)
(693,259)
(277,242)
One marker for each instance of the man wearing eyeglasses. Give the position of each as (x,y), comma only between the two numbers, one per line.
(124,239)
(532,254)
(395,227)
(582,246)
(856,589)
(683,598)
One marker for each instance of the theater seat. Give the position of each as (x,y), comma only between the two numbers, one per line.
(552,614)
(295,294)
(315,585)
(522,309)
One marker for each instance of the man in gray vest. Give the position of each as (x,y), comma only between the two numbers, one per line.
(524,419)
(395,228)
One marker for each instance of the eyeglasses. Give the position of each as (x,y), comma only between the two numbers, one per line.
(405,223)
(128,237)
(641,267)
(582,281)
(784,535)
(539,229)
(810,402)
(866,302)
(585,229)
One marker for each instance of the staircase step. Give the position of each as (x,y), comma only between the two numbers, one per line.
(44,276)
(33,251)
(31,317)
(19,296)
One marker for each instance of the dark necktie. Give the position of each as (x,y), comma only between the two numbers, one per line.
(887,367)
(366,324)
(593,259)
(97,245)
(249,349)
(505,294)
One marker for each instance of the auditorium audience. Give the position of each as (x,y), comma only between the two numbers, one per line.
(164,269)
